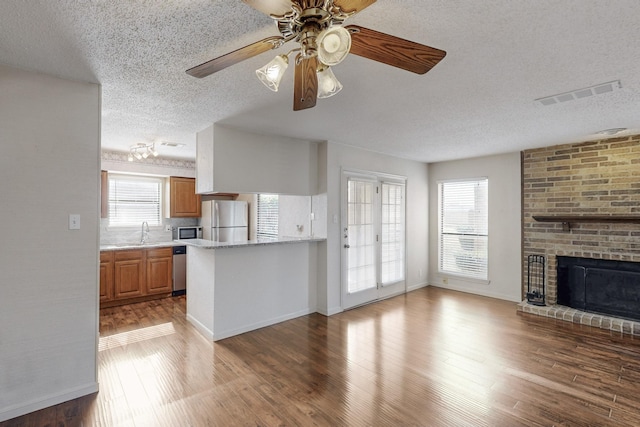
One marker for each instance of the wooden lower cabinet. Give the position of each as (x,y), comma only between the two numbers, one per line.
(135,275)
(106,276)
(159,270)
(129,274)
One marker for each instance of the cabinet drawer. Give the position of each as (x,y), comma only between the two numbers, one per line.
(160,252)
(106,256)
(129,254)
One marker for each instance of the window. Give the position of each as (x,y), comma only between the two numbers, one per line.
(135,199)
(267,215)
(463,227)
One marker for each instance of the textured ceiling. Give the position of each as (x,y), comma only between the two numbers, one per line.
(501,56)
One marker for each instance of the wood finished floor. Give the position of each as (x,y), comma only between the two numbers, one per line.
(429,358)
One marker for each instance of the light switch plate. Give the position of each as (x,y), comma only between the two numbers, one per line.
(74,222)
(167,227)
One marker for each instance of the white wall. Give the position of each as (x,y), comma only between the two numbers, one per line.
(294,211)
(339,157)
(49,168)
(235,161)
(503,172)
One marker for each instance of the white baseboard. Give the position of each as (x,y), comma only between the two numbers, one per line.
(241,330)
(46,401)
(331,311)
(479,292)
(208,334)
(418,286)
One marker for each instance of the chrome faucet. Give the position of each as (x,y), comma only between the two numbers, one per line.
(145,233)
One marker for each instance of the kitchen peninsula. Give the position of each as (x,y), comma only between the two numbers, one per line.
(238,287)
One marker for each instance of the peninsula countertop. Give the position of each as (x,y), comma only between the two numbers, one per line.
(210,244)
(147,245)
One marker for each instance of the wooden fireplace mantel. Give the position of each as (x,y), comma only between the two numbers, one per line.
(566,220)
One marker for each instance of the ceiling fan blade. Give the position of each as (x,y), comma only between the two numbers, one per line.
(270,7)
(305,90)
(393,51)
(224,61)
(353,5)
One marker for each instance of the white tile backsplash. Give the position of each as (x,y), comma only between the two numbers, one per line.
(121,235)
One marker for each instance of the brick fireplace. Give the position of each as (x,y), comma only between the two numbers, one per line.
(592,179)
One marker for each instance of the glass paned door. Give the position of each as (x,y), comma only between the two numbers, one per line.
(373,261)
(360,236)
(392,240)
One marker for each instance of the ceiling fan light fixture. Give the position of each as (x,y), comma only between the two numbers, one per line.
(271,74)
(334,44)
(328,84)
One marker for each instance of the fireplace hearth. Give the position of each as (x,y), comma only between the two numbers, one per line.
(599,286)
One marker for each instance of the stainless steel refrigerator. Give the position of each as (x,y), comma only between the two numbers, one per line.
(225,221)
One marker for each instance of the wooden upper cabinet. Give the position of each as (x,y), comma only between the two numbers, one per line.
(159,270)
(183,200)
(104,194)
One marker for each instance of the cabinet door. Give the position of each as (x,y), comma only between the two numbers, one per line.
(106,276)
(184,202)
(159,270)
(129,274)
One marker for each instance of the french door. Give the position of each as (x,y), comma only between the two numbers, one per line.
(373,237)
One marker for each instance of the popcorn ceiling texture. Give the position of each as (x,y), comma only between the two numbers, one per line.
(501,56)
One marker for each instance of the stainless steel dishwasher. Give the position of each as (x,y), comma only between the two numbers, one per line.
(179,270)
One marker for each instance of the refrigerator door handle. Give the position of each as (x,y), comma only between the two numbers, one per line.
(217,222)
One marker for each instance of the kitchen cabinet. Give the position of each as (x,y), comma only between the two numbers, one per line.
(106,276)
(159,270)
(183,200)
(129,271)
(133,275)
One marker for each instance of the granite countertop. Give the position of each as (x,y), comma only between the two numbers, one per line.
(209,244)
(125,246)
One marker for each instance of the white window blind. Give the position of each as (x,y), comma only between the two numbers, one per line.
(267,215)
(463,227)
(134,199)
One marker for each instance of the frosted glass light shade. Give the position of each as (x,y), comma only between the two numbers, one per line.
(328,85)
(334,44)
(271,74)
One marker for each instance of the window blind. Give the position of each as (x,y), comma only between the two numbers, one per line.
(134,199)
(267,215)
(463,227)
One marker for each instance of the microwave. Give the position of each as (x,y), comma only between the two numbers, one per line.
(192,232)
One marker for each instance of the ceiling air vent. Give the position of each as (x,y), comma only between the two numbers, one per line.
(172,144)
(580,93)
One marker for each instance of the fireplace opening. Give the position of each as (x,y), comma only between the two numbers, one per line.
(599,286)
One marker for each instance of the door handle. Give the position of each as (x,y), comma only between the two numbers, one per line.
(347,246)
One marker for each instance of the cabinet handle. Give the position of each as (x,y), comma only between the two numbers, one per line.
(347,246)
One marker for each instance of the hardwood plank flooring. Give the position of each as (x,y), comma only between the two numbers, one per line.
(428,358)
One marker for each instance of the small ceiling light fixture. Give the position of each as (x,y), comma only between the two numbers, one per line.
(272,73)
(328,84)
(142,150)
(334,44)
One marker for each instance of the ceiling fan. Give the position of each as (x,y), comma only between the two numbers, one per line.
(317,25)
